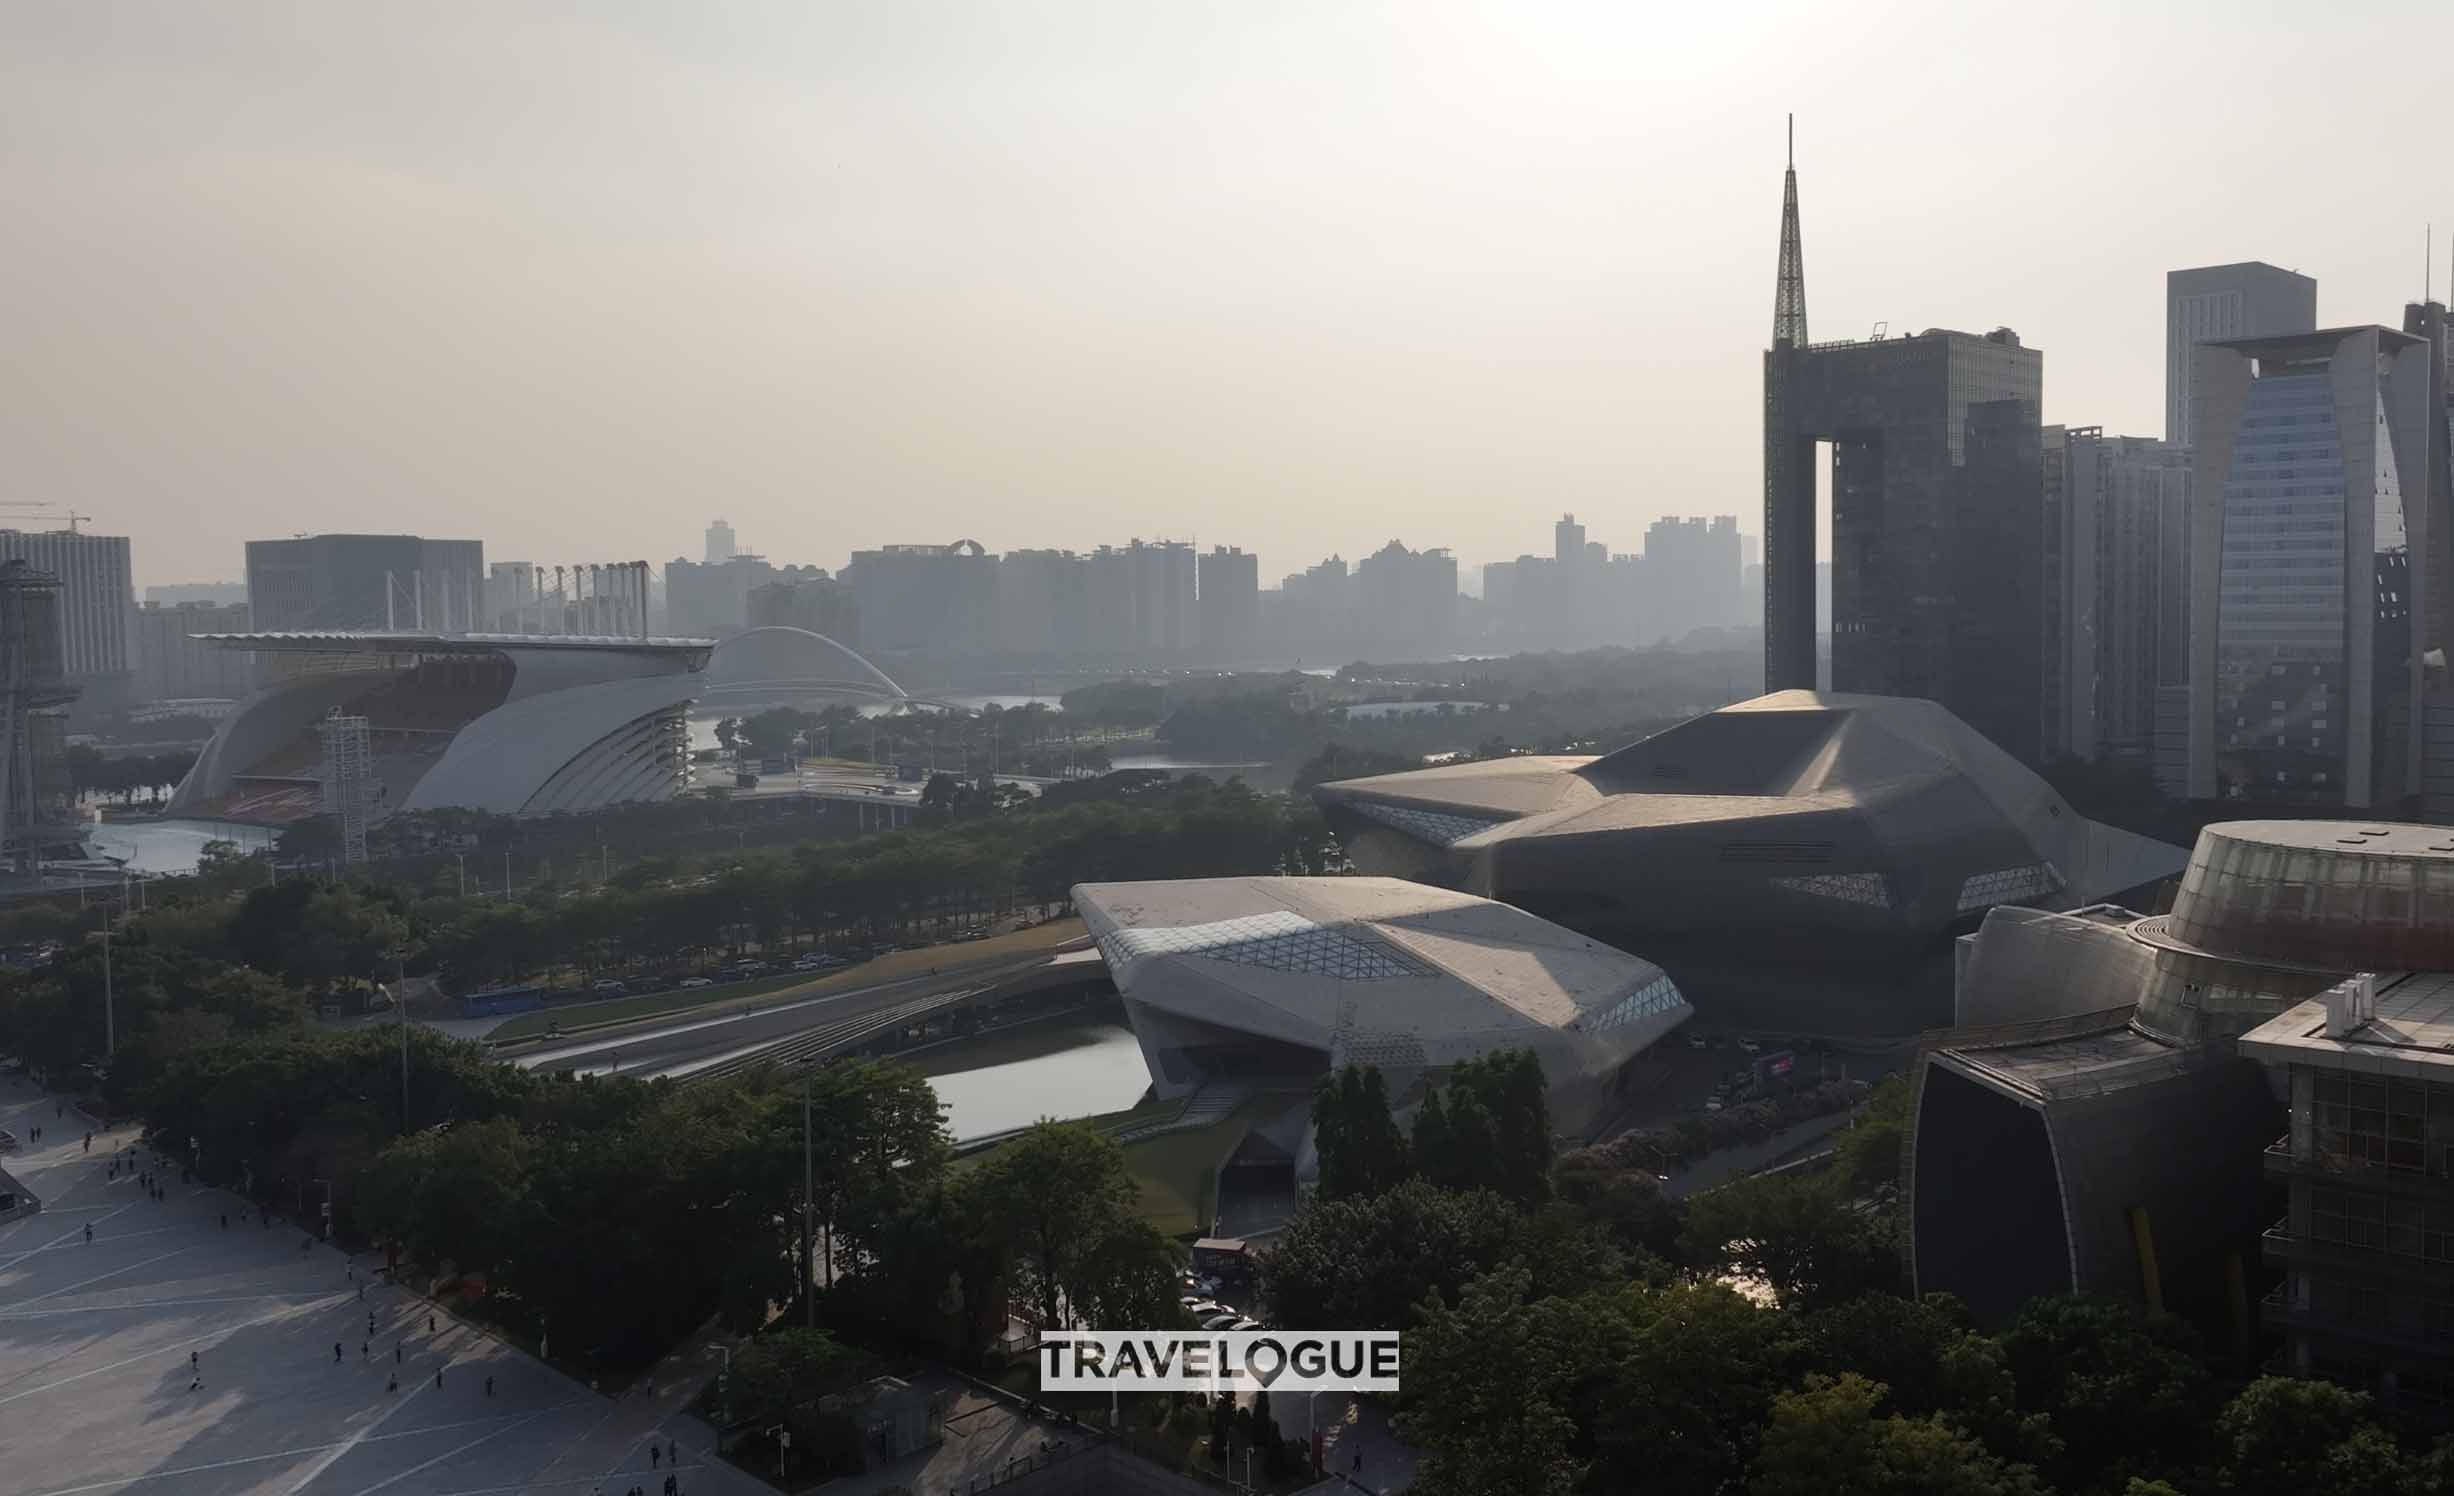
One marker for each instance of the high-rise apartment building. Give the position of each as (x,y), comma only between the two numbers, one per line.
(1406,600)
(1937,503)
(1164,589)
(815,602)
(95,595)
(1230,583)
(937,598)
(1691,576)
(366,582)
(2217,303)
(172,664)
(2116,576)
(713,600)
(38,797)
(721,547)
(2309,502)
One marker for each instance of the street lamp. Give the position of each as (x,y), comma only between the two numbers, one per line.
(400,1007)
(110,1023)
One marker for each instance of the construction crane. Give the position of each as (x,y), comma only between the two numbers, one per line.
(70,514)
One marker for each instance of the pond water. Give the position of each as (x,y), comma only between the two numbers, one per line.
(1061,1067)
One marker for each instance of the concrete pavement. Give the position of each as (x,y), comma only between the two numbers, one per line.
(173,1354)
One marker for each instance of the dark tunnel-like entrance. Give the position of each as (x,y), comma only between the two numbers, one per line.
(1988,1214)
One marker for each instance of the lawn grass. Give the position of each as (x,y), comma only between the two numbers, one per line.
(1177,1173)
(885,968)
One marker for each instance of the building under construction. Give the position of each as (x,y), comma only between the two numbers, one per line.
(38,803)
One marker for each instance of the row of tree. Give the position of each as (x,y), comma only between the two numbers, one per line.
(292,944)
(613,1217)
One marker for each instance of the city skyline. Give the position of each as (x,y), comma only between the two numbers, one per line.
(892,276)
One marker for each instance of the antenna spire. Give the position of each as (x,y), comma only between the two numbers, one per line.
(1789,291)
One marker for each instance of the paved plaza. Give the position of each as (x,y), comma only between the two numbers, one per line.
(172,1354)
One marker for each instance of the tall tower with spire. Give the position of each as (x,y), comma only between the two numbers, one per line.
(1789,467)
(1789,292)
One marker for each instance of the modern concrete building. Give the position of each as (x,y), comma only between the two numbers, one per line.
(2218,303)
(2366,1243)
(506,723)
(1163,589)
(2115,589)
(714,599)
(366,582)
(173,664)
(2288,1027)
(1762,852)
(1230,582)
(1267,982)
(721,546)
(2305,665)
(95,595)
(1937,494)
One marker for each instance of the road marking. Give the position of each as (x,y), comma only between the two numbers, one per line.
(228,1298)
(98,1277)
(448,1454)
(18,1257)
(289,1454)
(216,1332)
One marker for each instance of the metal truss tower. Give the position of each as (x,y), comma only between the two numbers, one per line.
(1789,295)
(349,780)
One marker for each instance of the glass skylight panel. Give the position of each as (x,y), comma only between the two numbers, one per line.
(1279,941)
(1441,828)
(2009,886)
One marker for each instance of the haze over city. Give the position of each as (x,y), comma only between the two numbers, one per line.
(1297,278)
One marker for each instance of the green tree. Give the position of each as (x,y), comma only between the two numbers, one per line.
(1361,1150)
(2286,1436)
(1830,1438)
(2127,1393)
(455,1195)
(1489,1128)
(1798,1234)
(1486,1384)
(1058,1192)
(1683,1406)
(1368,1262)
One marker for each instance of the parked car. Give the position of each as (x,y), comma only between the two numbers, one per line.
(1698,1041)
(1246,1323)
(1750,1046)
(693,984)
(607,987)
(1221,1320)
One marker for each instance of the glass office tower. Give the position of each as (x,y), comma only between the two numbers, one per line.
(2305,678)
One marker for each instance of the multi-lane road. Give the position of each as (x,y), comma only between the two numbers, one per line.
(727,1034)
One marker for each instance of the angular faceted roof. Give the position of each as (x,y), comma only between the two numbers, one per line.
(1879,802)
(1378,970)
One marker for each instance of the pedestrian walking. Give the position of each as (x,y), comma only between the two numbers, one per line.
(191,1360)
(430,1324)
(225,1220)
(195,1381)
(336,1353)
(361,1293)
(489,1385)
(396,1353)
(89,1142)
(656,1455)
(392,1384)
(370,1321)
(366,1350)
(89,1233)
(438,1379)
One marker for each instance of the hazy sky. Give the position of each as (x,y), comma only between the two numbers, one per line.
(575,278)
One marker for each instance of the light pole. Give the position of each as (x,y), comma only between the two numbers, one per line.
(110,1022)
(809,1265)
(400,1006)
(461,860)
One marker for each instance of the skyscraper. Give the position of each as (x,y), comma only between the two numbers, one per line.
(2309,476)
(1230,579)
(365,582)
(2218,302)
(1937,495)
(721,546)
(2116,570)
(95,594)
